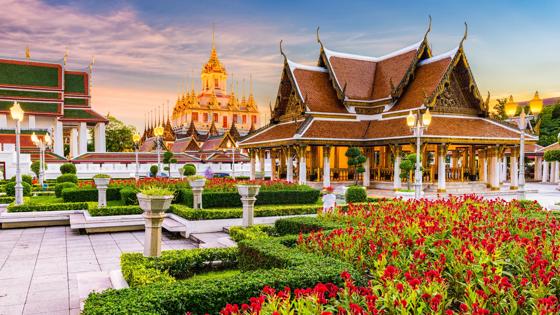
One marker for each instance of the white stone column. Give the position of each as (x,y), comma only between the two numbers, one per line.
(483,160)
(545,171)
(503,171)
(556,177)
(326,166)
(74,142)
(253,154)
(514,170)
(59,139)
(538,168)
(367,173)
(302,178)
(262,159)
(442,153)
(396,168)
(100,144)
(495,179)
(31,122)
(3,121)
(82,138)
(289,166)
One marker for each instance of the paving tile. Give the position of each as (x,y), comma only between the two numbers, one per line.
(11,309)
(52,306)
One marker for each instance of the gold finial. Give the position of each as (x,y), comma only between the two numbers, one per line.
(65,56)
(429,26)
(243,87)
(464,34)
(318,38)
(27,53)
(213,30)
(91,63)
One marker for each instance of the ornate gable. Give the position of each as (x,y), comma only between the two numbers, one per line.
(288,103)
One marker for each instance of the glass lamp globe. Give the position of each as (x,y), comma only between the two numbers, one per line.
(17,112)
(536,104)
(34,138)
(510,107)
(136,137)
(410,119)
(48,139)
(427,118)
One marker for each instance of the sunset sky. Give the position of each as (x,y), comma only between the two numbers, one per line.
(145,51)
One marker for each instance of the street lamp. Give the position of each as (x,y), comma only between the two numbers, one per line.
(158,132)
(17,115)
(418,123)
(535,108)
(233,147)
(42,145)
(136,140)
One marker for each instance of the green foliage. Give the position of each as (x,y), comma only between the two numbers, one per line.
(304,225)
(406,166)
(48,207)
(89,194)
(6,200)
(239,233)
(356,160)
(115,210)
(118,136)
(36,167)
(189,170)
(552,155)
(128,195)
(156,191)
(218,199)
(101,176)
(153,170)
(11,188)
(61,186)
(548,125)
(229,213)
(24,178)
(499,112)
(68,168)
(67,178)
(356,194)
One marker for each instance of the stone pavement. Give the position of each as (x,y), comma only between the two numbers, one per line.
(39,266)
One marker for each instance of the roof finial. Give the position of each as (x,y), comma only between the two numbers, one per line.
(213,30)
(281,50)
(318,38)
(65,56)
(429,26)
(91,63)
(250,84)
(27,53)
(465,34)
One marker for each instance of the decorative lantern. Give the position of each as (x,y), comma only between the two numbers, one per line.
(510,107)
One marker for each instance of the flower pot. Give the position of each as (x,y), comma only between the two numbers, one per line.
(102,181)
(248,190)
(154,204)
(197,183)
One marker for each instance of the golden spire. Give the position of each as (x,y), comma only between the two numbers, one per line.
(213,31)
(65,56)
(27,53)
(243,100)
(251,104)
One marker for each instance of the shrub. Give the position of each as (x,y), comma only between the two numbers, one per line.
(356,194)
(68,168)
(24,178)
(156,191)
(553,155)
(59,187)
(218,199)
(89,194)
(101,176)
(239,233)
(11,188)
(153,170)
(117,210)
(128,195)
(36,167)
(303,225)
(189,170)
(67,178)
(49,207)
(6,200)
(229,213)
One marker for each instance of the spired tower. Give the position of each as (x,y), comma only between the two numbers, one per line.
(213,104)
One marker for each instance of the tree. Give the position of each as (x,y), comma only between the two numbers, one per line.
(549,125)
(118,136)
(168,159)
(356,161)
(499,112)
(406,166)
(36,167)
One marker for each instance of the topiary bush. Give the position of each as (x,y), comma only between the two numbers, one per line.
(67,178)
(11,188)
(68,168)
(24,178)
(36,167)
(356,194)
(153,170)
(64,185)
(189,170)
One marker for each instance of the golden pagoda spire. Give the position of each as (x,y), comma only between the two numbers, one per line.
(243,100)
(251,104)
(27,53)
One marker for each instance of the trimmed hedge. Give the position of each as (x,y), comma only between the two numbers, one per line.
(229,213)
(175,264)
(49,207)
(116,210)
(68,168)
(128,195)
(213,199)
(290,267)
(67,178)
(5,200)
(24,178)
(303,225)
(11,189)
(356,194)
(239,233)
(89,194)
(62,186)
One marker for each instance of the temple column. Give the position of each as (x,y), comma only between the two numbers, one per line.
(513,169)
(503,173)
(367,168)
(99,131)
(545,171)
(538,168)
(326,166)
(31,121)
(74,142)
(556,177)
(302,178)
(262,159)
(396,167)
(495,164)
(273,175)
(82,138)
(289,166)
(252,155)
(483,160)
(442,152)
(59,139)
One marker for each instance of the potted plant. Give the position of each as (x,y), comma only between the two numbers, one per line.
(248,194)
(155,199)
(197,181)
(101,180)
(329,199)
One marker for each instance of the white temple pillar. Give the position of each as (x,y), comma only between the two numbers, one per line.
(74,142)
(289,166)
(442,153)
(545,171)
(252,154)
(302,178)
(100,144)
(396,168)
(503,170)
(3,121)
(262,164)
(495,175)
(367,173)
(513,170)
(82,138)
(58,139)
(556,177)
(483,160)
(31,122)
(326,166)
(538,168)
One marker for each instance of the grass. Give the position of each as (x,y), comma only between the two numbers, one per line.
(215,274)
(36,200)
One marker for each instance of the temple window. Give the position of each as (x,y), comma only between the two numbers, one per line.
(254,119)
(224,122)
(195,116)
(244,119)
(216,83)
(215,117)
(235,119)
(205,117)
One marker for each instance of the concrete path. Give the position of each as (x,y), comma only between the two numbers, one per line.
(39,267)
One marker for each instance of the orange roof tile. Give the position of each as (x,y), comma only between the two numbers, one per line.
(317,90)
(275,132)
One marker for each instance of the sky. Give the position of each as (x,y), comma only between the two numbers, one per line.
(146,51)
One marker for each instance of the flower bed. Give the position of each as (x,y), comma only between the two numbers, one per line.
(229,213)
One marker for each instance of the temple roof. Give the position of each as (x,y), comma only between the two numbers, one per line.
(213,65)
(82,115)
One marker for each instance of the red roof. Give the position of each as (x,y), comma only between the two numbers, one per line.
(317,90)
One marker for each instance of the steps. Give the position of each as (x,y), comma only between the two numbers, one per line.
(212,240)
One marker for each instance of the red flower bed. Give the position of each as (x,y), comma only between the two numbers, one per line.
(458,256)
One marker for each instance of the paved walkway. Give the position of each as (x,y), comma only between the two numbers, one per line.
(39,266)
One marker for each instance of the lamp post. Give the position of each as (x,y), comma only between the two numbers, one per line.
(42,145)
(136,140)
(158,132)
(17,115)
(418,123)
(233,147)
(535,108)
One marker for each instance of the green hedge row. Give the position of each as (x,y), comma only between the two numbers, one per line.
(239,233)
(174,265)
(128,195)
(115,210)
(90,194)
(289,267)
(213,199)
(229,213)
(303,225)
(5,200)
(49,207)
